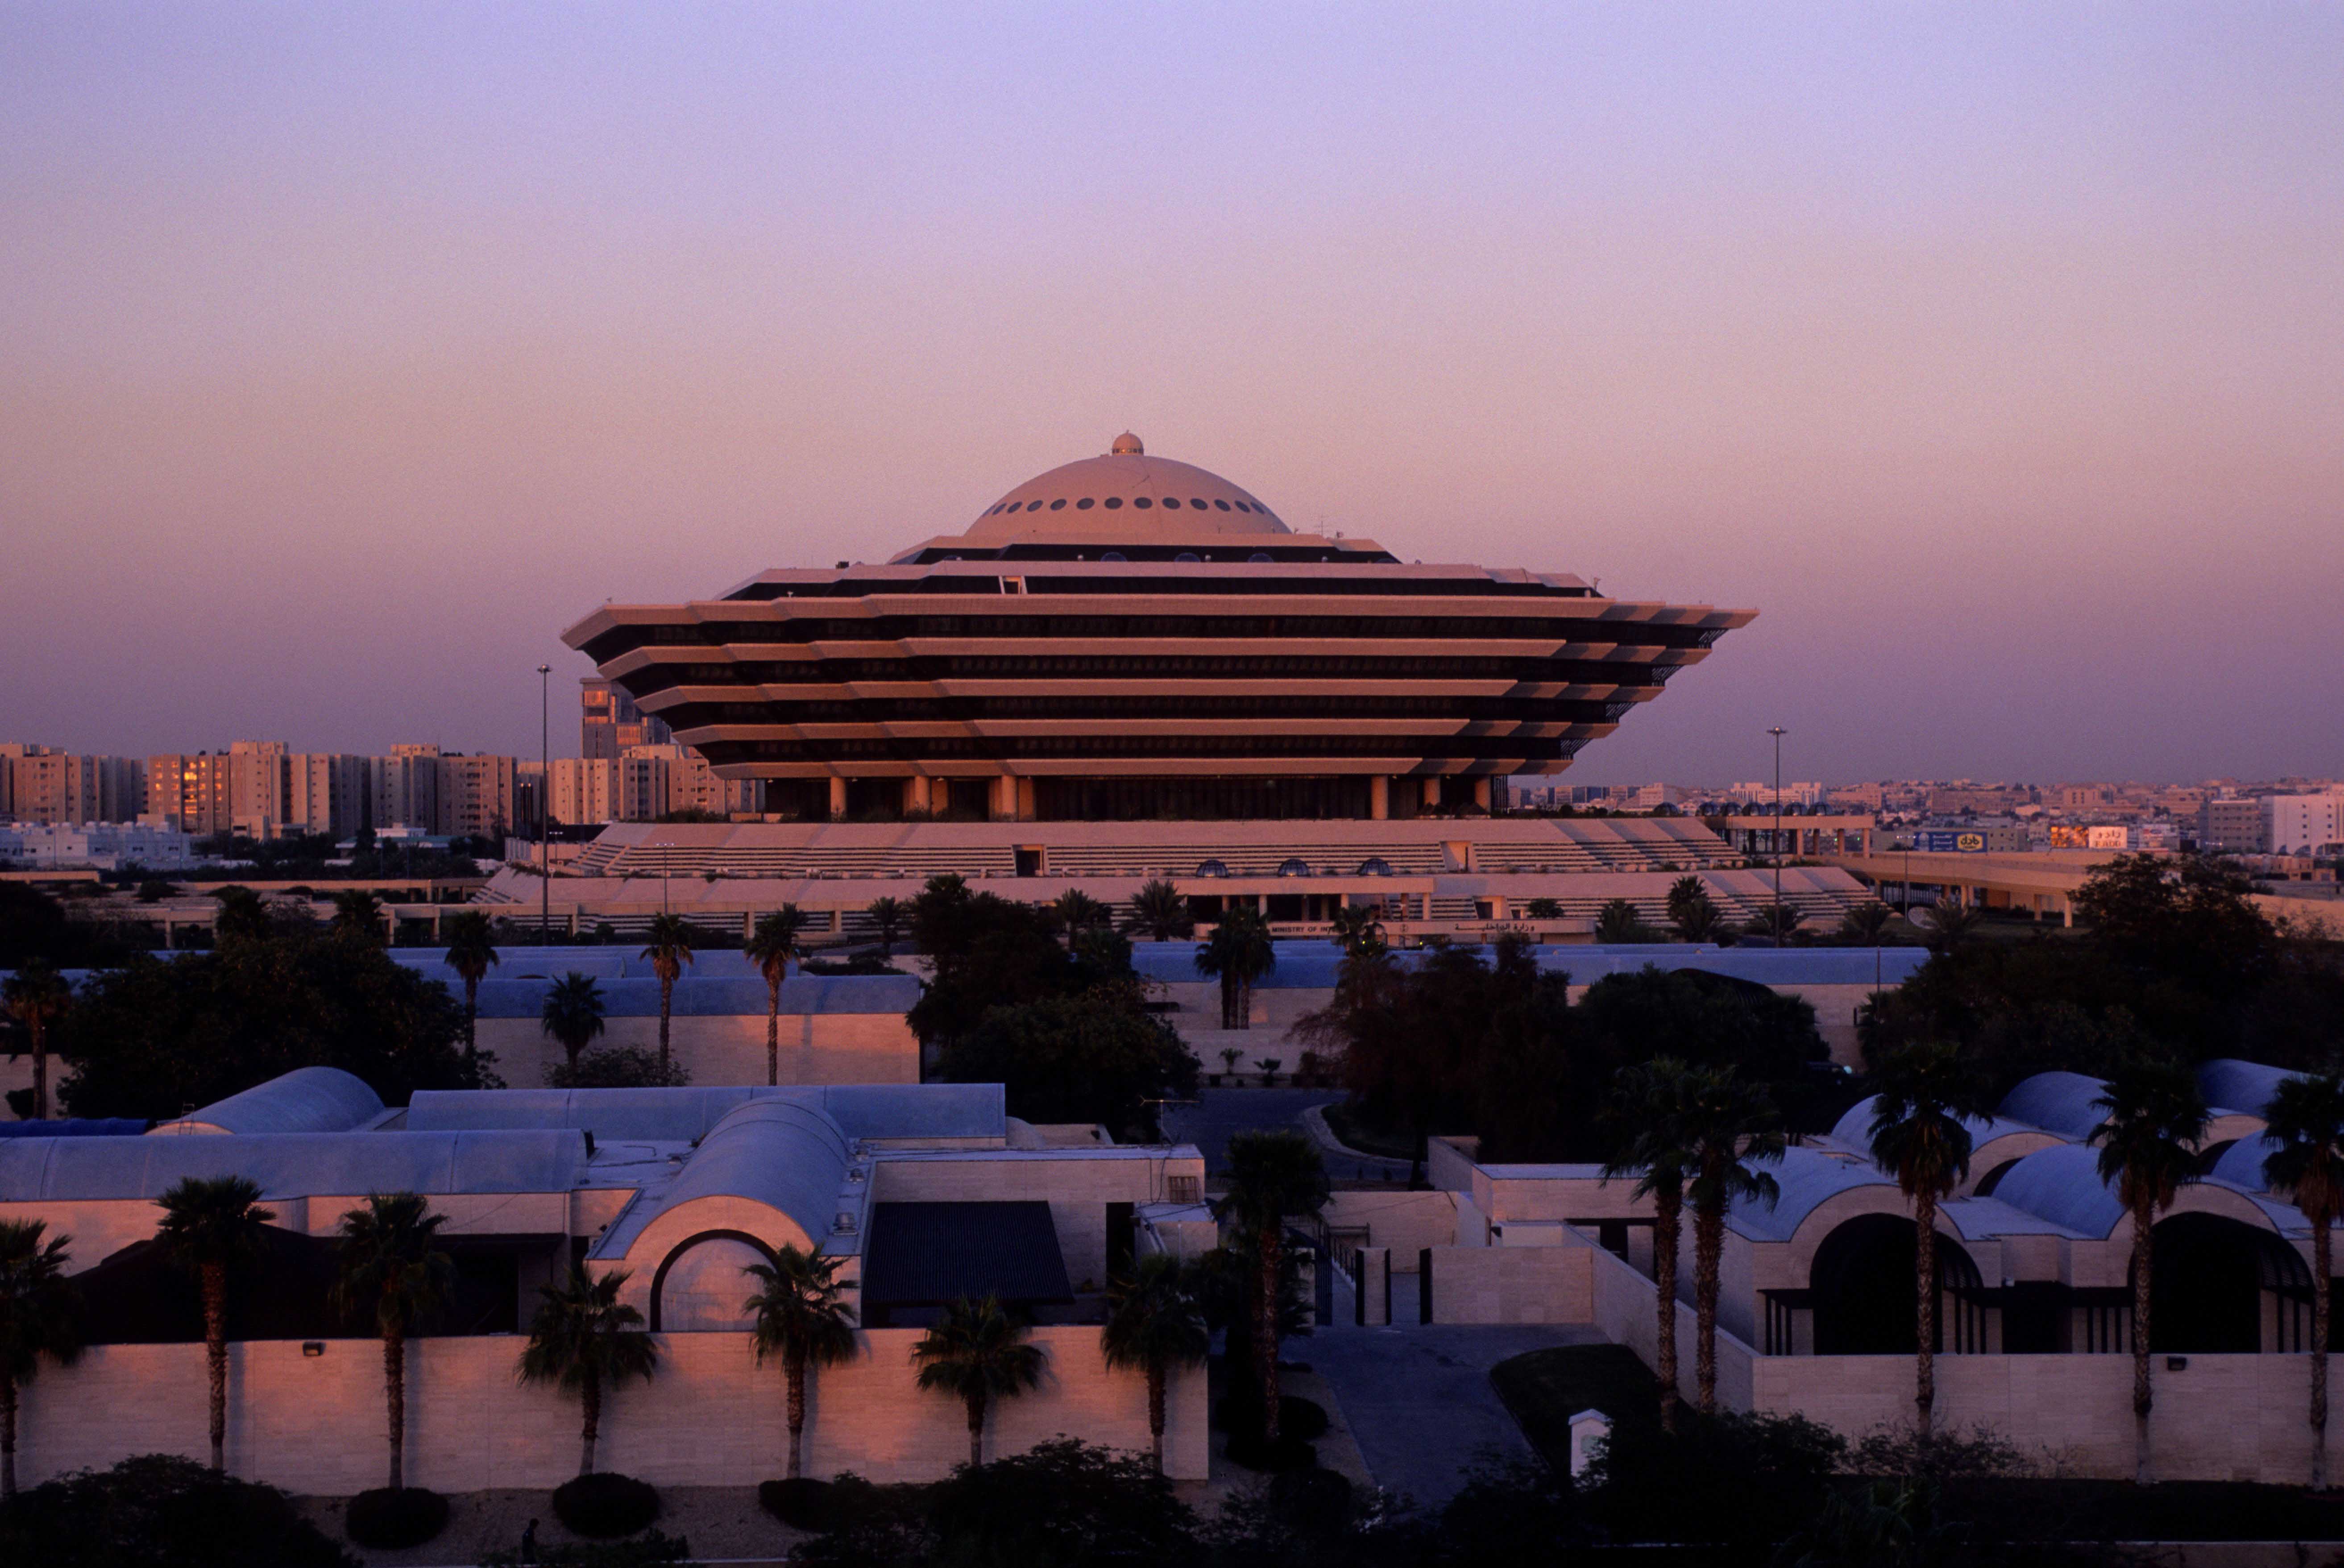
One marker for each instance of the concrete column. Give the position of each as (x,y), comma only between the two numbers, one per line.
(918,796)
(1482,792)
(1025,808)
(1373,1308)
(1431,793)
(1378,798)
(837,798)
(1001,798)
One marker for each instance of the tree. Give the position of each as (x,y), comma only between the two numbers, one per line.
(573,1013)
(390,1269)
(356,913)
(1734,1129)
(1092,1058)
(242,917)
(1238,953)
(1618,921)
(1693,912)
(888,916)
(1272,1174)
(210,1226)
(35,996)
(771,947)
(1355,929)
(1778,923)
(471,956)
(2156,1119)
(618,1068)
(1866,924)
(2305,1130)
(1155,1321)
(1953,922)
(1652,1106)
(585,1340)
(799,1317)
(1543,909)
(1161,910)
(39,1316)
(977,1352)
(670,950)
(1076,912)
(1919,1137)
(989,952)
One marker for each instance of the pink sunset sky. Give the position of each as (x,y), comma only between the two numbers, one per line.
(1995,353)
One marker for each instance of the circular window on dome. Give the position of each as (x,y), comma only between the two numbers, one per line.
(1222,504)
(1294,865)
(1115,555)
(1241,506)
(1085,504)
(1033,505)
(1214,868)
(1142,502)
(1113,501)
(1059,504)
(1375,866)
(1258,558)
(1188,555)
(1196,504)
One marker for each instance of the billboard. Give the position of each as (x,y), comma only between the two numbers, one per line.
(2071,838)
(1950,841)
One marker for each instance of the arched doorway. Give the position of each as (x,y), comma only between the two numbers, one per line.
(702,1284)
(1862,1289)
(2217,1286)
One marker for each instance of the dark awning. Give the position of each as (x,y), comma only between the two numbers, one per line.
(930,1254)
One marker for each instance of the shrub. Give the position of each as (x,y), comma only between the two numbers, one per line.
(618,1068)
(1248,1450)
(160,1508)
(805,1503)
(603,1505)
(1297,1416)
(1743,1480)
(388,1520)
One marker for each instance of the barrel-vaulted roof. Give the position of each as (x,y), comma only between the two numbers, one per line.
(909,1111)
(2231,1084)
(1804,1180)
(306,1100)
(2057,1102)
(788,1156)
(1854,1129)
(299,1165)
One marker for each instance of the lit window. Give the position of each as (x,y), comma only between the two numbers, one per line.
(1294,865)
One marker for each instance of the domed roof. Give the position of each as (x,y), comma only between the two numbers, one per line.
(1125,494)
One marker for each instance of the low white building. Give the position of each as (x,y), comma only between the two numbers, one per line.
(106,846)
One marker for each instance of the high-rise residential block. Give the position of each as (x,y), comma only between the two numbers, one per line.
(608,723)
(2302,823)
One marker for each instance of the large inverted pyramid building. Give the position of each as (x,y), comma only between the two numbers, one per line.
(1128,637)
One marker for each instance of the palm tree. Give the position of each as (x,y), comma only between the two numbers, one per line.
(390,1267)
(1778,923)
(40,1315)
(1161,910)
(1704,922)
(978,1352)
(1356,929)
(2156,1119)
(771,947)
(1652,1106)
(573,1013)
(1271,1176)
(1951,923)
(35,996)
(1918,1136)
(356,913)
(1864,924)
(1684,894)
(889,916)
(2305,1128)
(1543,909)
(242,917)
(583,1340)
(1155,1322)
(211,1225)
(670,950)
(1618,921)
(1238,953)
(471,956)
(1734,1129)
(800,1318)
(1077,911)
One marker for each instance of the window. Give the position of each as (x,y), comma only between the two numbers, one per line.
(1114,502)
(1186,555)
(1294,865)
(1059,504)
(1258,558)
(1375,866)
(1222,504)
(1194,502)
(1142,502)
(1084,504)
(1214,868)
(1115,555)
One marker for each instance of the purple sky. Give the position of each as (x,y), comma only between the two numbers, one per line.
(1996,354)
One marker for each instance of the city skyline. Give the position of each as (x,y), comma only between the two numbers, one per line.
(1994,361)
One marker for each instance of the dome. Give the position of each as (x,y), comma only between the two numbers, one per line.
(1125,494)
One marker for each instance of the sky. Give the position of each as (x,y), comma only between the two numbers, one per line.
(1995,354)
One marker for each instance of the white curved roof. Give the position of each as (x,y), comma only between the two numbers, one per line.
(306,1100)
(1854,1129)
(2240,1086)
(1803,1179)
(787,1156)
(1125,495)
(299,1165)
(2056,1102)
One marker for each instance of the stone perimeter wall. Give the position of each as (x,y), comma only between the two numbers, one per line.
(316,1425)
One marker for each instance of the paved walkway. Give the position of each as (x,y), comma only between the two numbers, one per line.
(1218,1113)
(1419,1399)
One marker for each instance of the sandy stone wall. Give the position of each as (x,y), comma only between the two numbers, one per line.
(1512,1284)
(816,1048)
(316,1424)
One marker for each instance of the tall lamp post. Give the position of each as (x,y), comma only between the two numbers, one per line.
(545,804)
(1778,732)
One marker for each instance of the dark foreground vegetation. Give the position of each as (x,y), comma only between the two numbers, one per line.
(161,1511)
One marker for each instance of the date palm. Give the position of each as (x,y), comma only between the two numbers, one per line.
(1651,1106)
(977,1352)
(1272,1174)
(1918,1136)
(1618,921)
(1684,893)
(771,947)
(800,1317)
(1734,1130)
(471,956)
(669,950)
(889,917)
(2305,1130)
(584,1340)
(1951,923)
(1076,912)
(572,1014)
(1238,953)
(2155,1119)
(36,995)
(1155,1321)
(389,1269)
(40,1315)
(356,913)
(1864,924)
(1356,929)
(1161,910)
(212,1226)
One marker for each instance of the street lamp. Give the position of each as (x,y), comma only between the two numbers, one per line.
(1778,732)
(545,805)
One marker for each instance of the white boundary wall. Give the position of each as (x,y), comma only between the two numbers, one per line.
(316,1425)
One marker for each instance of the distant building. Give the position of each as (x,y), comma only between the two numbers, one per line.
(43,785)
(584,790)
(2233,825)
(104,845)
(608,723)
(2302,823)
(188,792)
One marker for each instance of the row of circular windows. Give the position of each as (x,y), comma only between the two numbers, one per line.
(1258,558)
(1374,866)
(1113,503)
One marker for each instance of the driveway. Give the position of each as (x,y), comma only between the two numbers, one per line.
(1217,1113)
(1418,1400)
